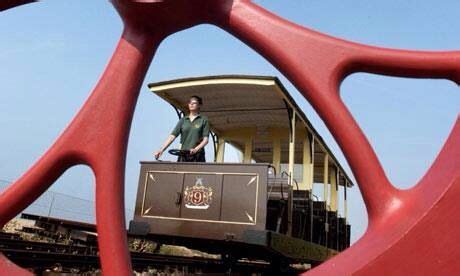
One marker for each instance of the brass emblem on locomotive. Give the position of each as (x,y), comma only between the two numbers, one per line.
(198,196)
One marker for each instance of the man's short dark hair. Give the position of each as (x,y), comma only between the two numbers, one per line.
(199,99)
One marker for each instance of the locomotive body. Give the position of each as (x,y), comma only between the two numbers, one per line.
(263,207)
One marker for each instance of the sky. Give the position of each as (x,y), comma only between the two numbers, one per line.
(52,54)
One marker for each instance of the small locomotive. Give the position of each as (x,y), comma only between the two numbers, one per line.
(262,207)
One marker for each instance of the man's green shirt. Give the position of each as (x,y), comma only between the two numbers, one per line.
(191,133)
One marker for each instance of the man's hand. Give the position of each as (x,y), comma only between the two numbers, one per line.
(193,151)
(157,154)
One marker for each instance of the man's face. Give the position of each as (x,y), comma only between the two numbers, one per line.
(193,105)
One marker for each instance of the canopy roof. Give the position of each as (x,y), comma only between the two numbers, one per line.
(254,104)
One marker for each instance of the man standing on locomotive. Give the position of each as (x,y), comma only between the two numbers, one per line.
(194,132)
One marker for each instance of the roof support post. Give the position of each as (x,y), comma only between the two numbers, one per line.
(334,188)
(307,171)
(277,153)
(291,149)
(247,150)
(326,179)
(220,150)
(179,113)
(244,134)
(345,205)
(345,211)
(215,140)
(325,195)
(333,176)
(291,170)
(312,179)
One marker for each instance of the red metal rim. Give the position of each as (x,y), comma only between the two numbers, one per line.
(316,64)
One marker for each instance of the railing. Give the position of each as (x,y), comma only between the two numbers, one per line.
(60,205)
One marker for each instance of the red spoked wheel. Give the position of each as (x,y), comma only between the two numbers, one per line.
(400,222)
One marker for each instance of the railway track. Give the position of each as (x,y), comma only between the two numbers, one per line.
(39,261)
(78,258)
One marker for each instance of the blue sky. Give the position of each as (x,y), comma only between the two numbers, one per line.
(52,54)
